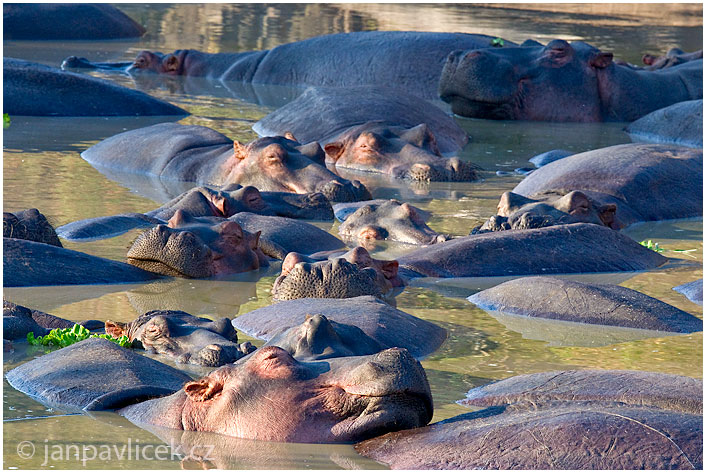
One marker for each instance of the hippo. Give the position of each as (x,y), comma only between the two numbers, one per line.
(205,201)
(386,325)
(317,338)
(549,156)
(692,291)
(375,129)
(183,337)
(679,123)
(342,400)
(343,210)
(199,251)
(390,220)
(519,212)
(645,182)
(46,21)
(18,321)
(27,263)
(34,89)
(560,82)
(565,248)
(673,57)
(580,419)
(29,224)
(345,399)
(199,154)
(278,235)
(354,273)
(564,300)
(371,58)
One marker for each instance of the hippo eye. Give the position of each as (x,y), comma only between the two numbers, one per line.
(153,331)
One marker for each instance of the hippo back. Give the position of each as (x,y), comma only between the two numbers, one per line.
(322,114)
(411,61)
(656,181)
(679,123)
(95,374)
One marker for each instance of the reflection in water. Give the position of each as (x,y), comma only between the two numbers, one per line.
(42,168)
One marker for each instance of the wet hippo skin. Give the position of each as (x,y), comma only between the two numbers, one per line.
(560,82)
(48,21)
(27,263)
(201,155)
(29,224)
(567,248)
(386,325)
(584,419)
(34,89)
(679,123)
(553,298)
(18,321)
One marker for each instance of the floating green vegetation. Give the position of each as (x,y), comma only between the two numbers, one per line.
(5,120)
(66,337)
(652,245)
(497,42)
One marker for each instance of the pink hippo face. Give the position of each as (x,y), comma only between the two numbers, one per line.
(283,164)
(404,153)
(271,396)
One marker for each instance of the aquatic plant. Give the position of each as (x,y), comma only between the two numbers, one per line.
(652,245)
(5,120)
(66,337)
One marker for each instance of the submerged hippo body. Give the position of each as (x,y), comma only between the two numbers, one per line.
(386,325)
(389,220)
(673,57)
(274,397)
(583,419)
(34,89)
(95,374)
(567,248)
(560,82)
(29,224)
(186,338)
(27,263)
(354,273)
(644,182)
(338,60)
(18,321)
(203,156)
(204,201)
(679,123)
(611,305)
(692,291)
(48,21)
(375,129)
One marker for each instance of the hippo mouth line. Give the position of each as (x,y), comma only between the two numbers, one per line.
(156,266)
(468,107)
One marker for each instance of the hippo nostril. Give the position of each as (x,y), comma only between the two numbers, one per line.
(472,55)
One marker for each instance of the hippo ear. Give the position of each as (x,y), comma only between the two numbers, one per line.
(607,214)
(334,150)
(116,329)
(255,240)
(170,63)
(390,269)
(290,136)
(240,151)
(601,60)
(202,390)
(509,202)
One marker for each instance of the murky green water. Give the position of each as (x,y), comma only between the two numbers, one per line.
(42,169)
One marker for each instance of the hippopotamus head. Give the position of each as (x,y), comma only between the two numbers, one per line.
(273,397)
(519,212)
(319,338)
(405,153)
(391,220)
(283,164)
(29,224)
(352,274)
(198,251)
(184,337)
(557,82)
(673,57)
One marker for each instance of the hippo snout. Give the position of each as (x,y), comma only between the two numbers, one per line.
(345,192)
(454,170)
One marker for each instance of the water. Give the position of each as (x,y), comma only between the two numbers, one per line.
(42,168)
